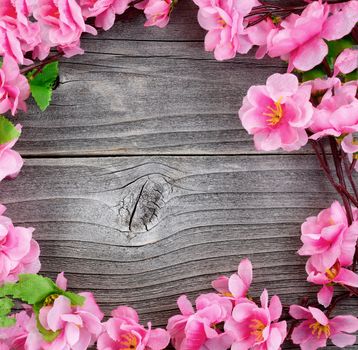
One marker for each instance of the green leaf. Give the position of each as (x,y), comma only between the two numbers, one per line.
(8,132)
(33,289)
(76,300)
(6,306)
(7,321)
(42,83)
(313,74)
(336,47)
(351,76)
(7,289)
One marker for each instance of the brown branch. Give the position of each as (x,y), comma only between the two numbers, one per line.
(339,170)
(41,64)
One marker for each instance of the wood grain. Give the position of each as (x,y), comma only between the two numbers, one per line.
(143,230)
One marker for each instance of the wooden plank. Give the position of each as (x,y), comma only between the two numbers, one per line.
(143,230)
(151,96)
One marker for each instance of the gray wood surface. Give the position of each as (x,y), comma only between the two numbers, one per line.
(142,184)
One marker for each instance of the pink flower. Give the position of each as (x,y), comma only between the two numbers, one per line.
(335,274)
(300,40)
(14,88)
(258,35)
(201,329)
(350,146)
(327,238)
(254,327)
(316,328)
(278,113)
(23,335)
(18,34)
(238,284)
(61,25)
(224,21)
(346,62)
(123,331)
(19,253)
(78,326)
(10,161)
(105,11)
(156,11)
(337,112)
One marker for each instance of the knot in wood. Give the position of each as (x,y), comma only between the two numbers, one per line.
(142,203)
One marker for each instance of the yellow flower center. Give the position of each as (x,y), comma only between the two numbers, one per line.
(221,23)
(50,299)
(128,341)
(227,294)
(257,327)
(333,271)
(274,114)
(319,329)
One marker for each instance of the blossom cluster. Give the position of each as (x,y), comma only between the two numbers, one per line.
(79,327)
(228,318)
(237,26)
(31,28)
(19,253)
(286,114)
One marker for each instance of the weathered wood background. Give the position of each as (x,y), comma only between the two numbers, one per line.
(142,184)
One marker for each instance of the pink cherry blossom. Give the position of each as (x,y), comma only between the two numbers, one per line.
(201,329)
(254,327)
(346,62)
(350,146)
(79,326)
(14,88)
(335,274)
(61,24)
(122,331)
(105,11)
(156,11)
(19,253)
(18,35)
(237,286)
(327,238)
(301,38)
(317,328)
(258,35)
(278,113)
(224,21)
(337,112)
(23,335)
(10,160)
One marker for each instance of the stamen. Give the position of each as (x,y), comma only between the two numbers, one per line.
(257,327)
(275,114)
(50,300)
(222,23)
(333,271)
(128,341)
(319,329)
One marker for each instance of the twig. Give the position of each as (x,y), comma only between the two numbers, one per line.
(349,172)
(41,64)
(339,170)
